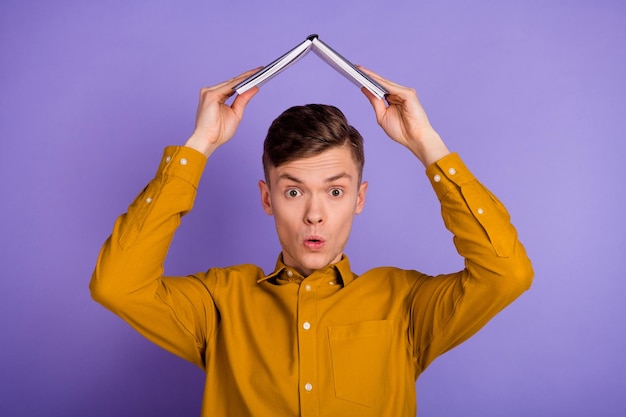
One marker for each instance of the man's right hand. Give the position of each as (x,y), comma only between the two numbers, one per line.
(216,122)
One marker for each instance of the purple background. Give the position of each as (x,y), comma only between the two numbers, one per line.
(530,93)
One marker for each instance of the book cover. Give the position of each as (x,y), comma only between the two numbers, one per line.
(326,53)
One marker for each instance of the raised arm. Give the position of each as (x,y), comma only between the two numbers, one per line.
(174,312)
(449,308)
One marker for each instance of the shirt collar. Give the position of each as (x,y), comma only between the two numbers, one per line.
(341,269)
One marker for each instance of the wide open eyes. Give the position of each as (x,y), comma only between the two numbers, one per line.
(335,192)
(293,193)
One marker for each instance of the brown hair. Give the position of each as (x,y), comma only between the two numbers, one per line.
(305,131)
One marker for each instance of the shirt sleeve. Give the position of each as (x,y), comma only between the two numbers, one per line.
(448,309)
(128,277)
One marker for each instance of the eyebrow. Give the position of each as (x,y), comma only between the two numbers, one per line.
(327,180)
(338,177)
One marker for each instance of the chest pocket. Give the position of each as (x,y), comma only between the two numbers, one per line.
(360,355)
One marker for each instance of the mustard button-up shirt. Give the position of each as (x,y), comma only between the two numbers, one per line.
(330,344)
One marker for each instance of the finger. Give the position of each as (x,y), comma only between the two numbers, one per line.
(211,95)
(246,74)
(388,84)
(379,105)
(242,100)
(374,75)
(223,91)
(369,72)
(235,80)
(395,99)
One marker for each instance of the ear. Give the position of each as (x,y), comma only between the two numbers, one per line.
(360,199)
(266,200)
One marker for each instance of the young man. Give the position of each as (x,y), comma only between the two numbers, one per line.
(312,338)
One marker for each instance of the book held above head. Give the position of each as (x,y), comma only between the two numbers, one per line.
(321,49)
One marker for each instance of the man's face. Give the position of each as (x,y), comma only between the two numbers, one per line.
(313,201)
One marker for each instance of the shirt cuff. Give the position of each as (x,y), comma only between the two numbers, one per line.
(182,162)
(448,173)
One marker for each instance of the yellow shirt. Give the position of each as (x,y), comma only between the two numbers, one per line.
(330,344)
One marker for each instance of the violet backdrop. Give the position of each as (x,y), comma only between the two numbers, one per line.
(530,93)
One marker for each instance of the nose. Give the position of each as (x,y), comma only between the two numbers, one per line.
(314,213)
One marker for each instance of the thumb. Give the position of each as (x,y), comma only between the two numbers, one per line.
(378,104)
(242,100)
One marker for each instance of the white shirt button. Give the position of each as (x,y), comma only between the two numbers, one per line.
(308,387)
(331,282)
(437,178)
(306,325)
(289,273)
(307,287)
(452,171)
(168,158)
(183,161)
(480,211)
(148,200)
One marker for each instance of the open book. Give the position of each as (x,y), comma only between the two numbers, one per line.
(325,52)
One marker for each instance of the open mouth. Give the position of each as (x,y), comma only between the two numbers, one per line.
(314,243)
